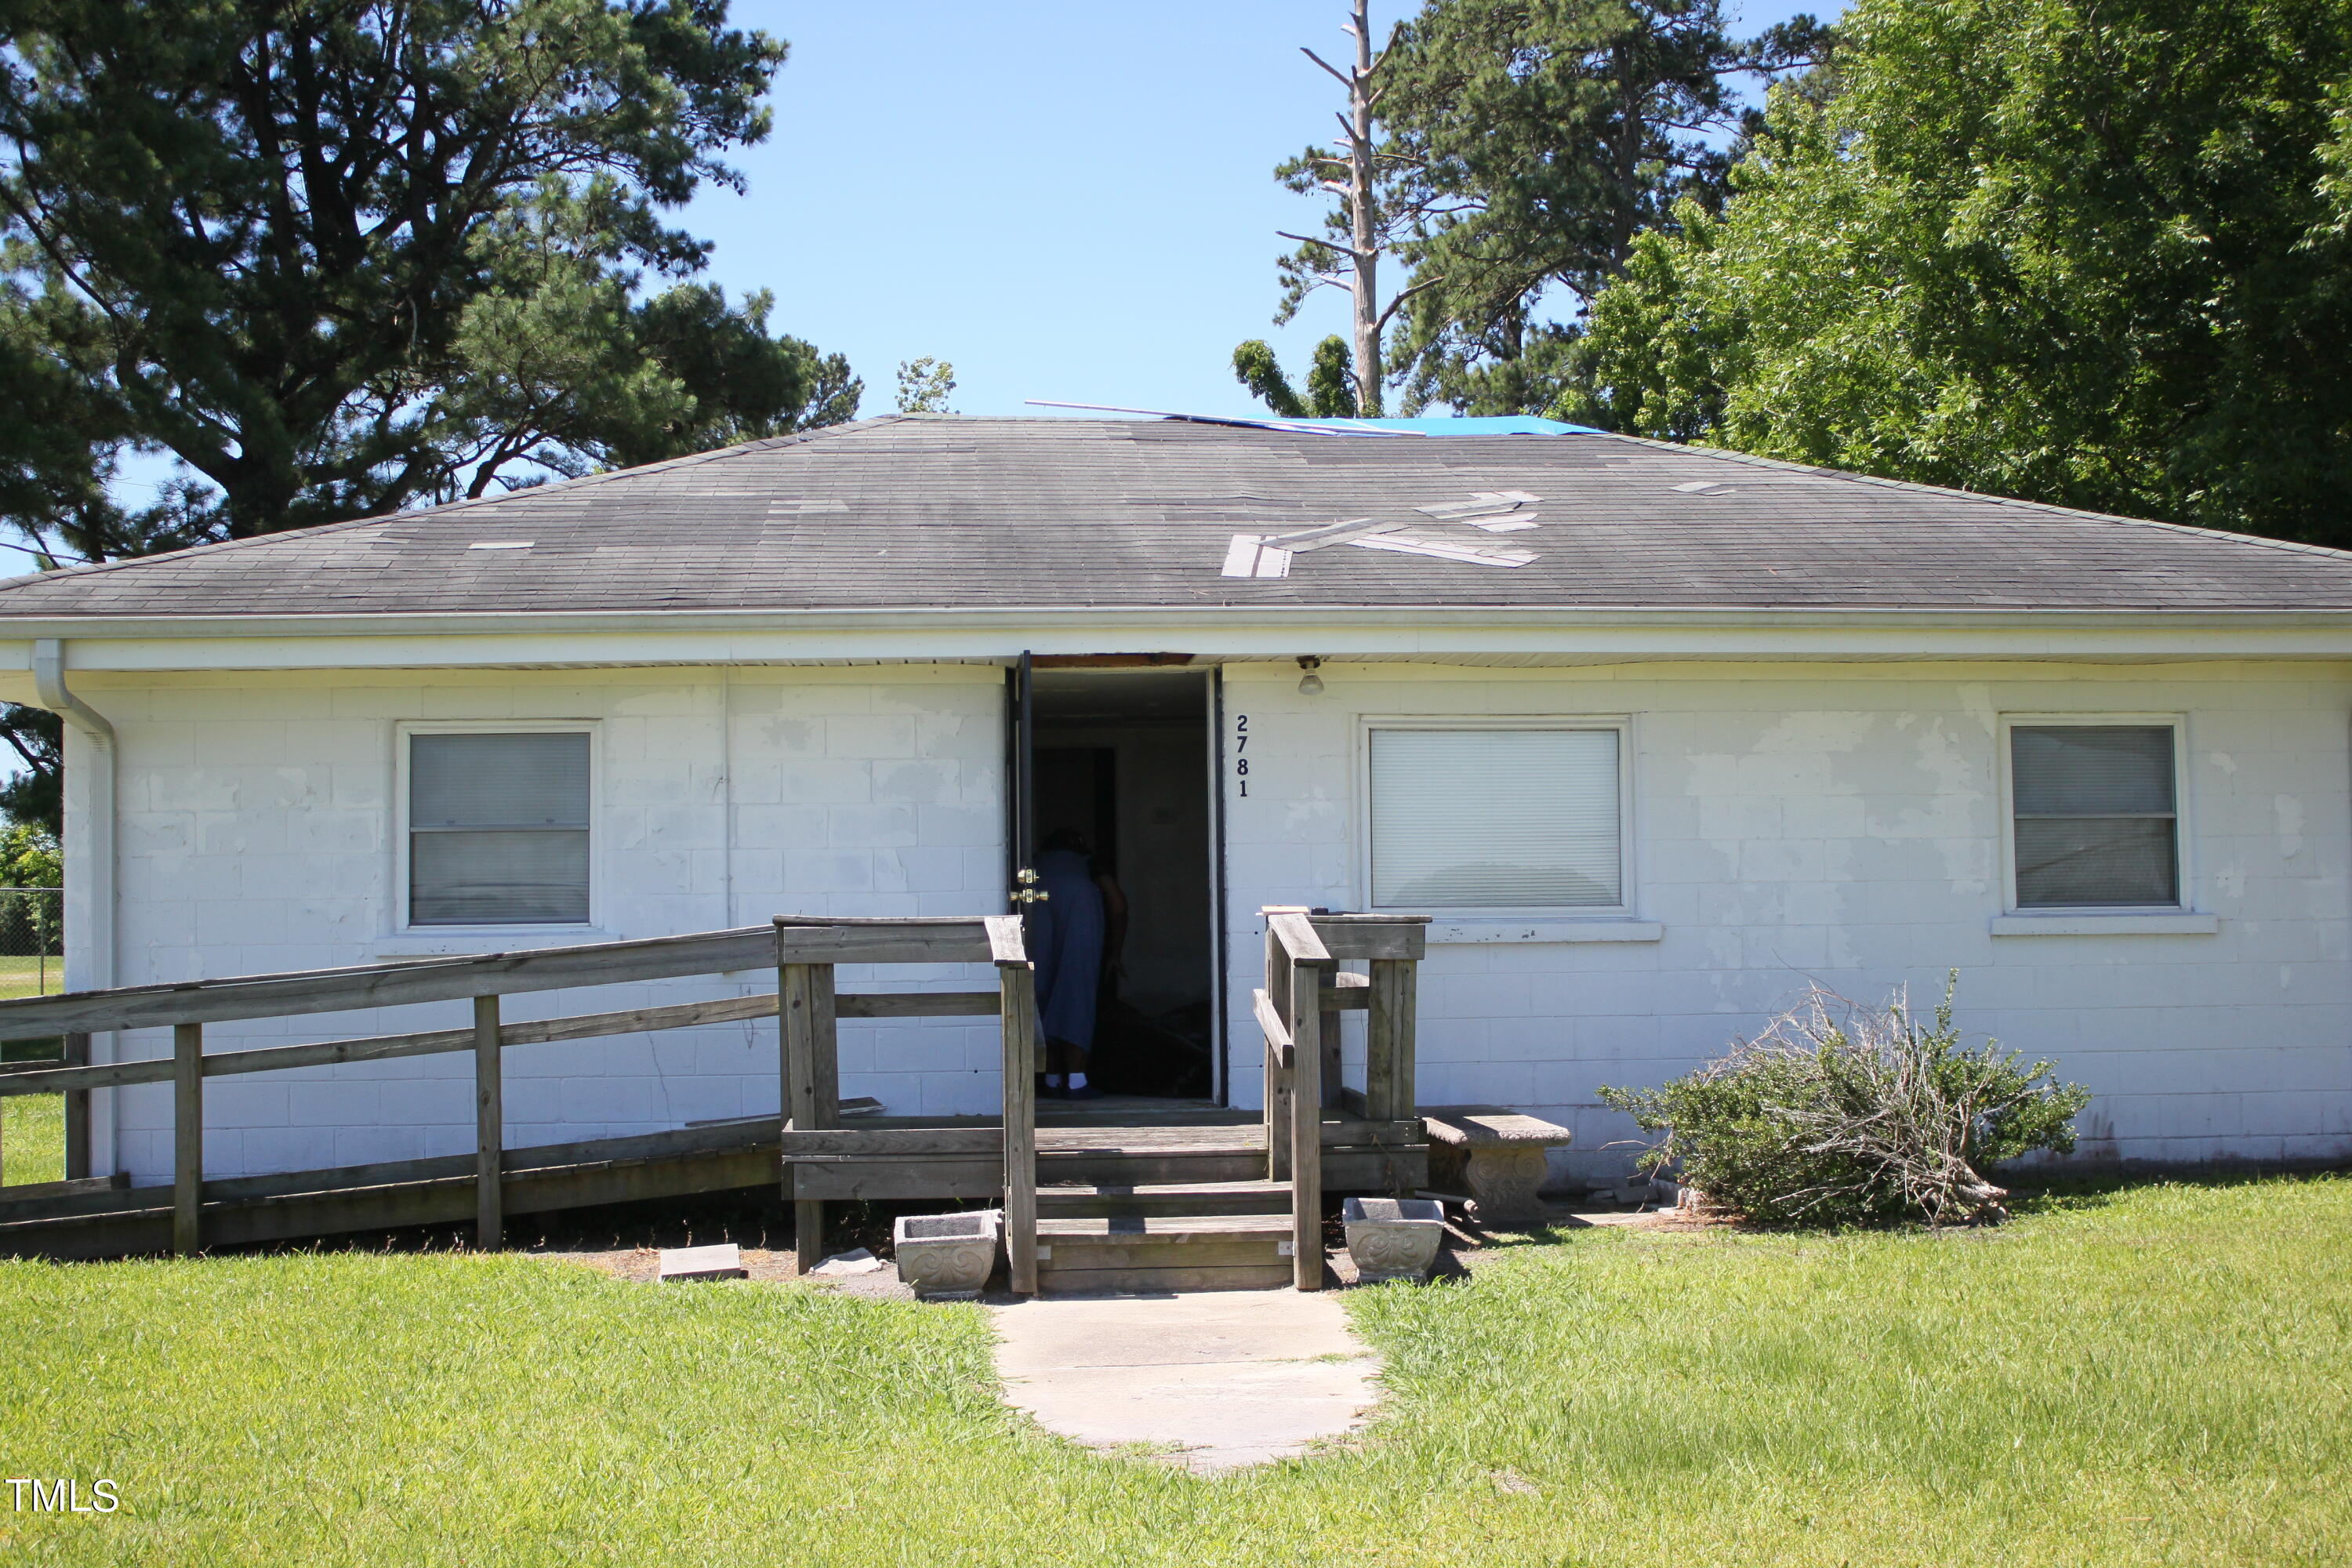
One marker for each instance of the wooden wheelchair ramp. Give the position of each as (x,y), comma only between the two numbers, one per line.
(1228,1200)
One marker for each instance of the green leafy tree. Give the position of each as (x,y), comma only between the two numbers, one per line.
(340,256)
(1331,385)
(2090,256)
(1534,140)
(562,366)
(34,794)
(29,857)
(925,386)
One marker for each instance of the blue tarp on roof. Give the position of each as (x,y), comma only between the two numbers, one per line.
(1502,425)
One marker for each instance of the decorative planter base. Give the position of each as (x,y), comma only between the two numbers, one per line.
(947,1256)
(1496,1156)
(1392,1238)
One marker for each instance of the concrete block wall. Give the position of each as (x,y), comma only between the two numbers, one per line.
(258,834)
(1841,825)
(1791,824)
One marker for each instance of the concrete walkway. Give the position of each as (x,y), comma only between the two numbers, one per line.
(1211,1381)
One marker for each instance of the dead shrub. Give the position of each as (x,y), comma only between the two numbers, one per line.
(1842,1113)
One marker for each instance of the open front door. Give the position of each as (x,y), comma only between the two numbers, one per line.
(1021,786)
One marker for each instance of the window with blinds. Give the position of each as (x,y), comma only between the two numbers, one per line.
(498,829)
(1499,819)
(2097,824)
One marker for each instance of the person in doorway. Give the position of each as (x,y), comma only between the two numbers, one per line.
(1075,932)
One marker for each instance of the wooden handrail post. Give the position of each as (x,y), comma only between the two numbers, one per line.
(1277,1076)
(811,1056)
(77,1111)
(1388,1041)
(489,1128)
(187,1138)
(1017,987)
(1306,1129)
(1400,997)
(1333,1079)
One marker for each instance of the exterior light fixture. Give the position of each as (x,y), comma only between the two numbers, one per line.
(1310,684)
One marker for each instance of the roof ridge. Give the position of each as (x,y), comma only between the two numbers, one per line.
(1758,462)
(765,444)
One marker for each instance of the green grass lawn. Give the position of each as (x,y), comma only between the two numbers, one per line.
(2152,1375)
(33,976)
(32,1126)
(32,1137)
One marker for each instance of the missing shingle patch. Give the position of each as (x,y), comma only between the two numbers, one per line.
(1702,488)
(1488,511)
(502,544)
(1482,503)
(1475,553)
(1250,556)
(1332,533)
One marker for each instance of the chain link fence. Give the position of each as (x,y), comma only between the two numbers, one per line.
(32,941)
(32,964)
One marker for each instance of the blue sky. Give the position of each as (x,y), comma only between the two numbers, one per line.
(1068,201)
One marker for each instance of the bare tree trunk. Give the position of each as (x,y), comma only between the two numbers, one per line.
(1366,238)
(1364,276)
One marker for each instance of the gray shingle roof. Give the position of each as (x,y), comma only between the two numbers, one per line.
(1081,514)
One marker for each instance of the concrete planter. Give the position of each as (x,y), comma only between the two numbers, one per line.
(947,1256)
(1392,1238)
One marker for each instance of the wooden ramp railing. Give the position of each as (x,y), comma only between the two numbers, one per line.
(1298,1012)
(804,950)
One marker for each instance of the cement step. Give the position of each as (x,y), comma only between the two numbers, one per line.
(1173,1199)
(1163,1252)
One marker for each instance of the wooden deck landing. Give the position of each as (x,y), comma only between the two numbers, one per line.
(117,1222)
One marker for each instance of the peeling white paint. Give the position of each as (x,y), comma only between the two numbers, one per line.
(2288,812)
(1814,733)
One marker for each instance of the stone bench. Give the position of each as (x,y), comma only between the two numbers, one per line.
(1497,1154)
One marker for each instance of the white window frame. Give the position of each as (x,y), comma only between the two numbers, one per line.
(2184,883)
(1622,724)
(402,731)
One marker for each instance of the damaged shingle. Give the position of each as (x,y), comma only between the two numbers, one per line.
(1491,512)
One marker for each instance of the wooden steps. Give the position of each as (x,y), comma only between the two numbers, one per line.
(1153,1253)
(1129,1156)
(1167,1199)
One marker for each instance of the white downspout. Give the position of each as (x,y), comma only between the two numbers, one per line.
(90,872)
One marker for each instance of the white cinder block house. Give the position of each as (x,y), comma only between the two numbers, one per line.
(1658,736)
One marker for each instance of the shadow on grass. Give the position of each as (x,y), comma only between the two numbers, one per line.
(759,1218)
(750,1217)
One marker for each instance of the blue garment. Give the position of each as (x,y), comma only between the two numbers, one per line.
(1066,943)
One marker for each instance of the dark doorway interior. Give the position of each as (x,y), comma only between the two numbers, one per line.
(1122,758)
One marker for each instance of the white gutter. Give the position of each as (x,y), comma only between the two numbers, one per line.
(1211,620)
(595,639)
(89,870)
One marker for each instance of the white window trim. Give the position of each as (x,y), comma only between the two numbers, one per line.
(2102,919)
(400,926)
(1507,923)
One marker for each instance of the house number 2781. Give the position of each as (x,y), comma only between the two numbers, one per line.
(1241,750)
